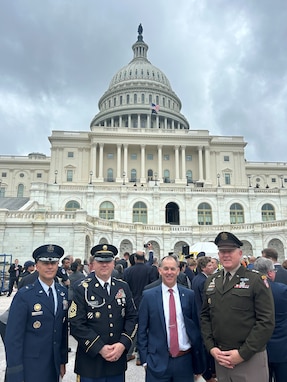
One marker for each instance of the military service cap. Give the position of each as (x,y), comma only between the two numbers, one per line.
(104,252)
(226,240)
(48,252)
(28,263)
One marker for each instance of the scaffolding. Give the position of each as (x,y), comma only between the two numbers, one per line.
(5,262)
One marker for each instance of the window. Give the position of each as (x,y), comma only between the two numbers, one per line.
(110,175)
(189,176)
(273,180)
(226,158)
(2,192)
(135,98)
(142,98)
(72,205)
(139,213)
(166,157)
(4,174)
(204,213)
(110,155)
(133,175)
(227,178)
(166,176)
(70,154)
(69,175)
(236,214)
(133,156)
(21,175)
(128,99)
(107,211)
(157,100)
(189,158)
(121,100)
(39,175)
(267,212)
(149,157)
(20,190)
(115,101)
(163,101)
(150,98)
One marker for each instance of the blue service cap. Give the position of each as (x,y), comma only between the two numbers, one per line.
(104,252)
(48,252)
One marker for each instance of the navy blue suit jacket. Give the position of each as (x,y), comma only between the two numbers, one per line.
(152,335)
(277,345)
(35,338)
(198,288)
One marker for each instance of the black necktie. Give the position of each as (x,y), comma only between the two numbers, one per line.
(51,300)
(226,280)
(106,287)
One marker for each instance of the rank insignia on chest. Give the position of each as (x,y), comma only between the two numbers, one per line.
(211,286)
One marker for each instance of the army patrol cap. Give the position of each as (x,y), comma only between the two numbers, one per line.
(48,252)
(226,240)
(104,252)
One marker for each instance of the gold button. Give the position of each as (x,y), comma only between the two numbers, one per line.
(109,306)
(111,325)
(110,315)
(111,334)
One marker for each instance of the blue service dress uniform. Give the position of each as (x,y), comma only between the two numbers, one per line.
(97,319)
(36,340)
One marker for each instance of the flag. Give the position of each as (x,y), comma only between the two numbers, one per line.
(155,108)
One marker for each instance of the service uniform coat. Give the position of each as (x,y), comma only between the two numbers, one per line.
(241,317)
(36,340)
(97,319)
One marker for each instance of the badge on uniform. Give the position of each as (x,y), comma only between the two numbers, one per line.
(37,324)
(243,283)
(265,280)
(73,310)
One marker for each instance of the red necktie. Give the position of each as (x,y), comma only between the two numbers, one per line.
(173,335)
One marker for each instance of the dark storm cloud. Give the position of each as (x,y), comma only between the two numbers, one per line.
(226,60)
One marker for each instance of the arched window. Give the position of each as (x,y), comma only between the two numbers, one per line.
(150,174)
(110,175)
(204,213)
(166,176)
(107,211)
(236,214)
(20,190)
(72,205)
(139,212)
(133,175)
(267,212)
(189,176)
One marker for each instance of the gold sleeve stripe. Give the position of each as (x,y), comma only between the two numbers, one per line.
(73,310)
(92,343)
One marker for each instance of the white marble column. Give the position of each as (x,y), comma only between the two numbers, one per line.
(129,121)
(126,161)
(159,162)
(119,163)
(101,162)
(207,164)
(176,154)
(200,168)
(183,167)
(139,121)
(142,175)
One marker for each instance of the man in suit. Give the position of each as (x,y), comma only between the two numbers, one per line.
(103,320)
(237,317)
(281,273)
(14,270)
(168,328)
(277,345)
(36,339)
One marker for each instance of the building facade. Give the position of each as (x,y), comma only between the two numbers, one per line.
(140,174)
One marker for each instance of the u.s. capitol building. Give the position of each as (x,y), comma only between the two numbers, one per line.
(140,174)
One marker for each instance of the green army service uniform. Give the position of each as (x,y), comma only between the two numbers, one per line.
(239,317)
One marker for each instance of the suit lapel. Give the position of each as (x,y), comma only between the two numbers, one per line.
(159,304)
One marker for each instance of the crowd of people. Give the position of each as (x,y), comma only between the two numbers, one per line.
(223,317)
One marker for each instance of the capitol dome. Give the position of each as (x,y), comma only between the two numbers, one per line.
(137,91)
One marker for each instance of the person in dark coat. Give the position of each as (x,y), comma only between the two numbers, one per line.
(277,345)
(281,273)
(14,271)
(103,319)
(28,268)
(36,338)
(237,317)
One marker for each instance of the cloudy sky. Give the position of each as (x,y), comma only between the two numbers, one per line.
(225,59)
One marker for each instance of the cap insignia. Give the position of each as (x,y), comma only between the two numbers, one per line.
(224,236)
(105,247)
(50,248)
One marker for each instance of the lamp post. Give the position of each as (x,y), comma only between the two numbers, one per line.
(282,181)
(91,177)
(155,178)
(218,180)
(56,173)
(124,178)
(249,180)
